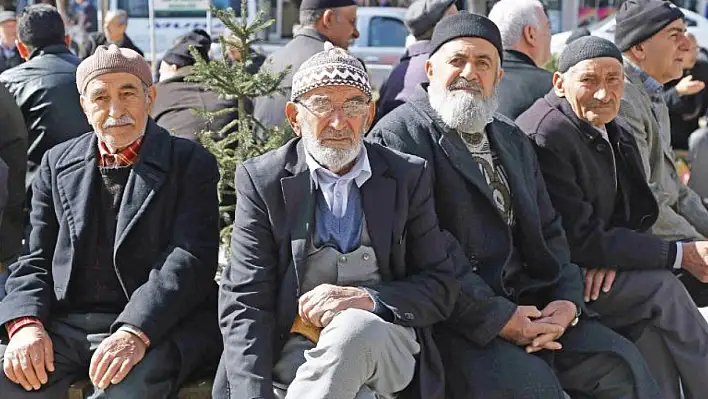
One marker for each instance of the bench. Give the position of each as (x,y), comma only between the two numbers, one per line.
(198,389)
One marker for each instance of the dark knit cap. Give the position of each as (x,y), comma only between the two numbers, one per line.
(180,55)
(324,4)
(587,48)
(638,20)
(466,24)
(422,15)
(112,59)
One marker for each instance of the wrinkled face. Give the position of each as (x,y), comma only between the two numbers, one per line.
(114,30)
(118,106)
(663,54)
(593,89)
(8,33)
(332,122)
(544,38)
(342,30)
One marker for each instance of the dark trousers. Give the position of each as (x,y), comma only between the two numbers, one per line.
(502,370)
(75,338)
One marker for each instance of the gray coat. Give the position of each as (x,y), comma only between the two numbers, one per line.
(261,285)
(682,215)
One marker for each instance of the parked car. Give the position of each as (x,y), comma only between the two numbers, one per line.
(696,24)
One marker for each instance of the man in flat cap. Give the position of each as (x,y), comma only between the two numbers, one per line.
(118,283)
(421,18)
(338,267)
(517,329)
(651,35)
(9,56)
(320,21)
(526,37)
(594,175)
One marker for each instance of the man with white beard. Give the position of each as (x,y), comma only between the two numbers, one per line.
(338,267)
(516,329)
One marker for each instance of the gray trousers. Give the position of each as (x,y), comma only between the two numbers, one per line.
(358,356)
(674,341)
(75,338)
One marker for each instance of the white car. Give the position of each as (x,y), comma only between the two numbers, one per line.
(605,28)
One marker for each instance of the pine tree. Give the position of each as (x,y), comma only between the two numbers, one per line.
(236,142)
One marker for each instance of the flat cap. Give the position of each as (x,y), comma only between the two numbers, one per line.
(180,55)
(7,16)
(323,4)
(639,20)
(587,48)
(112,59)
(422,15)
(466,24)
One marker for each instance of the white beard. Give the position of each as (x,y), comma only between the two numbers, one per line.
(334,159)
(463,110)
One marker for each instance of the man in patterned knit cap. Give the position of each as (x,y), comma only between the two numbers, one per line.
(518,332)
(118,283)
(338,268)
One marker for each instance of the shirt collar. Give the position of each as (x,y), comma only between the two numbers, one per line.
(652,85)
(121,158)
(360,173)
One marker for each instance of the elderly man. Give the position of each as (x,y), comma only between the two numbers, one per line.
(651,35)
(9,56)
(594,175)
(118,283)
(321,21)
(114,26)
(526,37)
(523,295)
(338,267)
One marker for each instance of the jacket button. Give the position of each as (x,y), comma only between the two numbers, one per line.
(601,147)
(409,316)
(474,268)
(342,258)
(365,257)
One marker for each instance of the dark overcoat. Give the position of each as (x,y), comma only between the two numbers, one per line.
(166,244)
(466,209)
(261,285)
(522,84)
(604,199)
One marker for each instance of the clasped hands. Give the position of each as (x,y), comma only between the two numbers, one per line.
(539,329)
(319,306)
(29,358)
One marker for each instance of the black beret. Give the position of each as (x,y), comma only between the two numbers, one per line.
(638,20)
(466,24)
(324,4)
(179,53)
(422,15)
(587,48)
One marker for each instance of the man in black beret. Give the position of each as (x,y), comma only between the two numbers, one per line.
(522,298)
(594,175)
(320,21)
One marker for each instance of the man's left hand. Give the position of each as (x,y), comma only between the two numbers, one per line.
(560,313)
(115,357)
(319,306)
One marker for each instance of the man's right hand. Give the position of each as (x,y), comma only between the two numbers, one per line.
(695,259)
(522,330)
(29,356)
(687,86)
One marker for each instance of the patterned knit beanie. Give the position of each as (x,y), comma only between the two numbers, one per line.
(331,67)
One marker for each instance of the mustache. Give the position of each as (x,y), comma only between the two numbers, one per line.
(461,83)
(122,121)
(332,133)
(598,104)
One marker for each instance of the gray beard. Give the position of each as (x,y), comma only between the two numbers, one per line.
(334,159)
(462,110)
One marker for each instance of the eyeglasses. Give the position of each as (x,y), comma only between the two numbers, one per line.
(322,108)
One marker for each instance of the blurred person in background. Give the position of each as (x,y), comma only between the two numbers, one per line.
(9,56)
(256,59)
(114,26)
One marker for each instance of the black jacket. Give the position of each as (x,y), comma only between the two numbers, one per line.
(13,150)
(523,83)
(606,227)
(9,62)
(95,39)
(260,286)
(166,247)
(177,101)
(45,90)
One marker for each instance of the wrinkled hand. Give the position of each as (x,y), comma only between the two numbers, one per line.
(695,259)
(597,279)
(28,357)
(559,313)
(114,358)
(523,327)
(687,86)
(319,306)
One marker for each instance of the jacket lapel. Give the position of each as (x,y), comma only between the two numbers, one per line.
(145,180)
(378,200)
(298,194)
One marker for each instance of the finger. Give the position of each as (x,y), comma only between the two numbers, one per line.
(102,368)
(95,360)
(110,373)
(315,316)
(597,284)
(8,369)
(530,311)
(536,329)
(37,358)
(609,280)
(327,317)
(542,340)
(553,346)
(122,372)
(21,378)
(589,277)
(28,371)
